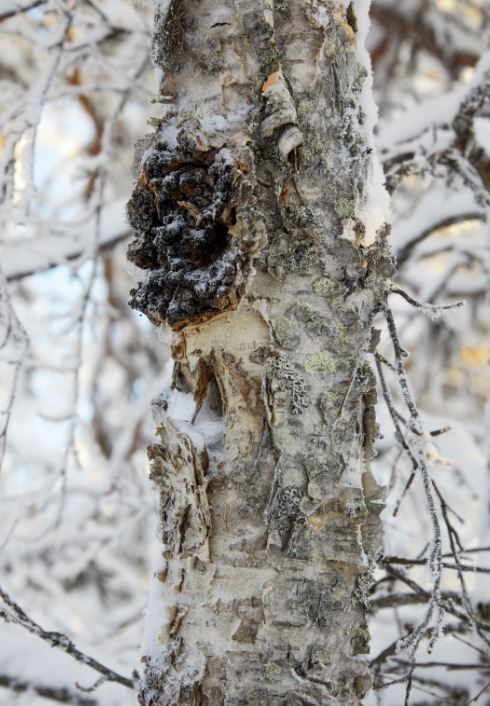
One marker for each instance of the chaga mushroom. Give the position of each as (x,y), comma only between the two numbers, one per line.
(182,209)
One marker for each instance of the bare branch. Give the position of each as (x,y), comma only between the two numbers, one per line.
(55,693)
(18,616)
(430,309)
(450,666)
(423,562)
(20,10)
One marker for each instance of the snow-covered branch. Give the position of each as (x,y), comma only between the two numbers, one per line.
(15,614)
(59,694)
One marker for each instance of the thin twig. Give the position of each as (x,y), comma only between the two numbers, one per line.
(18,616)
(20,10)
(54,693)
(419,464)
(430,309)
(450,666)
(446,565)
(480,693)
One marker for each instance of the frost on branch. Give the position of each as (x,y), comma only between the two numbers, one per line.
(184,209)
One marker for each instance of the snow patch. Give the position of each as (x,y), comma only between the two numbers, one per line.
(205,430)
(375,211)
(481,127)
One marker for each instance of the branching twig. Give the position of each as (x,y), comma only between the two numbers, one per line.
(18,616)
(446,565)
(450,666)
(419,464)
(55,693)
(480,693)
(20,10)
(429,309)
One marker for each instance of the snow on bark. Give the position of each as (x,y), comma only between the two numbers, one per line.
(375,211)
(260,220)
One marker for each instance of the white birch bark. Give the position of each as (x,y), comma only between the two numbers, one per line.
(261,226)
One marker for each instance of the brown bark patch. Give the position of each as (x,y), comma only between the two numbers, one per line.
(270,81)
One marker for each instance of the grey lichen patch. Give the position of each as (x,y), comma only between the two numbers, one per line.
(341,341)
(272,671)
(320,365)
(365,378)
(281,6)
(360,78)
(308,307)
(363,584)
(316,324)
(342,431)
(332,688)
(342,335)
(329,47)
(184,210)
(301,216)
(315,148)
(286,508)
(327,161)
(355,509)
(324,287)
(324,656)
(302,258)
(286,390)
(344,208)
(381,264)
(305,108)
(285,525)
(359,639)
(328,401)
(283,330)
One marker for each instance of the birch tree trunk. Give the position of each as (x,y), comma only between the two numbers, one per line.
(259,217)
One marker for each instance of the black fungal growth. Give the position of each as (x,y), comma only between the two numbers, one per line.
(183,213)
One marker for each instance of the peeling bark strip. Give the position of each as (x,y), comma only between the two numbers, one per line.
(259,220)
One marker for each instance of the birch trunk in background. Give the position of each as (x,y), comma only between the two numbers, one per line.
(259,214)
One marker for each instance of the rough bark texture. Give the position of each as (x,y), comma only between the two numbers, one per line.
(248,211)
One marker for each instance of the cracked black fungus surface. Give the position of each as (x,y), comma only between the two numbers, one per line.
(181,209)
